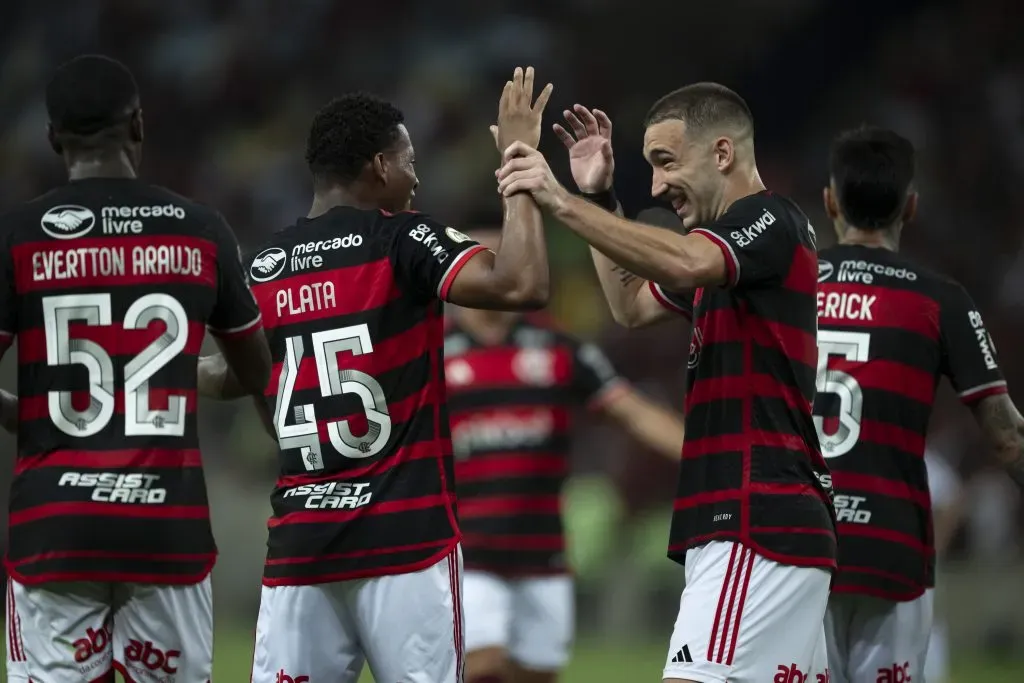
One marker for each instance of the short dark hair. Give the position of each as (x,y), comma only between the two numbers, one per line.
(90,94)
(873,171)
(702,106)
(348,132)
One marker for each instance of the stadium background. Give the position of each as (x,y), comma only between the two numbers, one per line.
(229,87)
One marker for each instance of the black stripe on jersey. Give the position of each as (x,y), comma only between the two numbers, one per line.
(519,562)
(727,475)
(717,418)
(789,372)
(518,525)
(35,487)
(508,485)
(46,437)
(901,346)
(728,357)
(704,522)
(473,400)
(897,571)
(766,413)
(167,571)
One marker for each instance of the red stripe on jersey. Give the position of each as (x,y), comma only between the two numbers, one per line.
(108,510)
(115,262)
(867,531)
(511,464)
(303,297)
(848,304)
(387,354)
(386,507)
(709,497)
(738,443)
(660,297)
(494,367)
(38,407)
(805,260)
(727,326)
(115,339)
(885,434)
(448,279)
(744,386)
(877,485)
(887,375)
(121,459)
(972,396)
(425,449)
(550,542)
(367,552)
(510,505)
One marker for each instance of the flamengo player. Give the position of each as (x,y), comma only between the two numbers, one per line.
(888,330)
(109,284)
(364,542)
(752,520)
(513,384)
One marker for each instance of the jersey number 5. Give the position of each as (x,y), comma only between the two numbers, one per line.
(853,346)
(334,381)
(94,309)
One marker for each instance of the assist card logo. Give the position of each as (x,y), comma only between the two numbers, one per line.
(268,264)
(67,221)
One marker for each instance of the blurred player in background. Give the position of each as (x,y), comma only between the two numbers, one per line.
(947,512)
(109,284)
(513,383)
(753,522)
(887,331)
(363,560)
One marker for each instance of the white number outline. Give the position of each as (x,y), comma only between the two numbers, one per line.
(60,311)
(333,381)
(853,346)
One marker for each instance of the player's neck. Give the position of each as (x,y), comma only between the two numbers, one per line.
(743,185)
(487,327)
(879,239)
(112,165)
(327,199)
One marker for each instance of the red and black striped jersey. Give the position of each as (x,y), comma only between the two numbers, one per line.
(888,331)
(511,409)
(351,302)
(109,286)
(752,469)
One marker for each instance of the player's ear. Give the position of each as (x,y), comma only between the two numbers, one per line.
(51,135)
(379,166)
(910,208)
(135,127)
(829,199)
(725,153)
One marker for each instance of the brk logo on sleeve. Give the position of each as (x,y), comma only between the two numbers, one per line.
(984,339)
(747,235)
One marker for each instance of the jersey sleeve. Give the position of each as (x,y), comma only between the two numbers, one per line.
(757,241)
(677,303)
(427,256)
(8,294)
(594,379)
(236,312)
(968,354)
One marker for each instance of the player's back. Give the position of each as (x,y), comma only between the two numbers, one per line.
(357,394)
(888,330)
(113,282)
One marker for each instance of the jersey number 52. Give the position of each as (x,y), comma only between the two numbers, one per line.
(852,346)
(334,381)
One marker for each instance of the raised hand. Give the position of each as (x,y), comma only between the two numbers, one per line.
(519,116)
(525,169)
(590,148)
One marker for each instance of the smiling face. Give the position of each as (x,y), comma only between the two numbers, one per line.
(688,170)
(397,168)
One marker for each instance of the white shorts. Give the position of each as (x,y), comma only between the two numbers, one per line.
(870,639)
(408,627)
(532,618)
(936,661)
(746,619)
(76,632)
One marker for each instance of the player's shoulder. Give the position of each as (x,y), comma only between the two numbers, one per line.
(754,214)
(850,263)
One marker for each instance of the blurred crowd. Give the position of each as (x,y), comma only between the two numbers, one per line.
(229,87)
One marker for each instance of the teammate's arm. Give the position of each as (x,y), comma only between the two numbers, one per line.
(969,360)
(236,324)
(605,391)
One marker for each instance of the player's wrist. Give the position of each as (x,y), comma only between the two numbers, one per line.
(606,199)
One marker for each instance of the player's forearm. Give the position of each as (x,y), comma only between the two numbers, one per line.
(522,256)
(620,286)
(216,380)
(648,252)
(9,411)
(656,427)
(1003,428)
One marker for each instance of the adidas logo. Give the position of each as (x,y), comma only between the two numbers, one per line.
(683,656)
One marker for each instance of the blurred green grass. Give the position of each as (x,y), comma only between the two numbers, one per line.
(594,662)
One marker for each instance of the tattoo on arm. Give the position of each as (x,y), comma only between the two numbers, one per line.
(1004,428)
(625,277)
